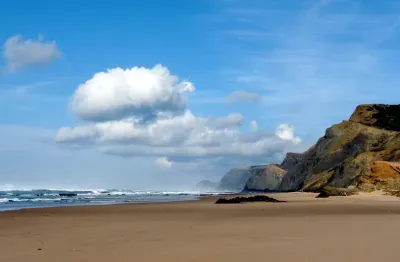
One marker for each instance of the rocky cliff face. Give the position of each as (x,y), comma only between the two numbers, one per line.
(351,153)
(235,180)
(379,116)
(265,178)
(291,160)
(385,175)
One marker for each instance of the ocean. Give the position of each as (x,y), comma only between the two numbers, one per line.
(22,199)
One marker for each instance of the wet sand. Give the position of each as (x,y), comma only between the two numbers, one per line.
(359,228)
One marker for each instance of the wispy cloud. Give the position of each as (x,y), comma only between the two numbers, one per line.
(18,95)
(23,89)
(237,96)
(243,96)
(316,58)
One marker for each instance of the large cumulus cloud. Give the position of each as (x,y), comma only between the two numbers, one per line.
(142,112)
(140,92)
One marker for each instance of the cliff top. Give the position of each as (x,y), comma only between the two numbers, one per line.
(378,115)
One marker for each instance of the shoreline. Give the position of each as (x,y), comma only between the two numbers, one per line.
(94,205)
(36,198)
(362,228)
(287,197)
(379,196)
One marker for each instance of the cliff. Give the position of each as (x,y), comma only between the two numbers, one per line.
(235,180)
(363,152)
(291,160)
(265,178)
(379,116)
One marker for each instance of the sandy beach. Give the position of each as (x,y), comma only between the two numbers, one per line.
(359,228)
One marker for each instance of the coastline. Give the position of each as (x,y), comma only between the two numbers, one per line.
(46,198)
(302,229)
(286,197)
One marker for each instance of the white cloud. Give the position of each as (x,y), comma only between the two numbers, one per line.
(163,162)
(140,92)
(19,53)
(172,131)
(286,132)
(185,128)
(243,96)
(184,136)
(254,125)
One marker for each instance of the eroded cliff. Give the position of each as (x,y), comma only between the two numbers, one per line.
(351,154)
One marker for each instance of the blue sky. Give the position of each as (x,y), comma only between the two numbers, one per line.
(237,83)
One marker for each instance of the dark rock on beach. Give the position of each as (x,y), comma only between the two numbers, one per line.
(394,193)
(323,194)
(250,199)
(67,194)
(334,191)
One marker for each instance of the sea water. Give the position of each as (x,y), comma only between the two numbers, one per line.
(21,199)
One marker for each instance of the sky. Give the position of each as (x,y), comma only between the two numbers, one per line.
(162,94)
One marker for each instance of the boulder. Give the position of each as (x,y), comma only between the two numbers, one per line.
(333,191)
(323,194)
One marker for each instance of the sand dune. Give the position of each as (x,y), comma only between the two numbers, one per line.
(359,228)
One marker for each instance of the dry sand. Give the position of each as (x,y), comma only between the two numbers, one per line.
(360,228)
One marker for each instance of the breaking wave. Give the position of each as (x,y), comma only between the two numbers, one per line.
(33,198)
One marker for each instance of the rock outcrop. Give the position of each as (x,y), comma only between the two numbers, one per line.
(265,178)
(379,116)
(235,180)
(362,153)
(385,174)
(335,191)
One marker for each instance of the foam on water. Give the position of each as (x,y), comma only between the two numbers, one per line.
(13,199)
